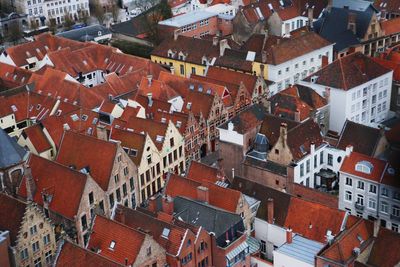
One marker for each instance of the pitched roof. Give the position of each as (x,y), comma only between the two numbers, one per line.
(381,255)
(387,5)
(201,172)
(81,151)
(364,139)
(12,212)
(236,60)
(313,220)
(271,127)
(348,72)
(193,48)
(157,89)
(12,76)
(153,226)
(341,251)
(391,26)
(127,241)
(132,141)
(377,167)
(37,137)
(73,255)
(247,120)
(296,98)
(53,178)
(10,152)
(232,77)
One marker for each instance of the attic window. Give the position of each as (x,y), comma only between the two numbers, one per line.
(28,53)
(191,87)
(189,105)
(95,120)
(38,106)
(74,117)
(302,149)
(84,117)
(14,108)
(163,120)
(178,124)
(165,233)
(159,138)
(58,113)
(364,166)
(90,131)
(200,88)
(133,153)
(112,245)
(208,91)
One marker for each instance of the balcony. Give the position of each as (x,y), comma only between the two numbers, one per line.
(358,206)
(395,217)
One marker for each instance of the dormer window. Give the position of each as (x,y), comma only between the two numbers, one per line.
(364,166)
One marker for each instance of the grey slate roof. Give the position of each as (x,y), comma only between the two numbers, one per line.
(10,152)
(210,218)
(85,34)
(333,26)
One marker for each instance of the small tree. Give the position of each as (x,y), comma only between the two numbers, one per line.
(14,33)
(52,25)
(114,11)
(68,22)
(98,12)
(159,12)
(83,17)
(6,6)
(34,24)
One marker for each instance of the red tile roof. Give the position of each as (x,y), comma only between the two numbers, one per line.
(155,227)
(53,178)
(348,72)
(313,220)
(11,76)
(12,213)
(393,65)
(383,253)
(158,89)
(387,5)
(130,140)
(73,255)
(128,241)
(201,172)
(391,26)
(83,151)
(37,137)
(378,166)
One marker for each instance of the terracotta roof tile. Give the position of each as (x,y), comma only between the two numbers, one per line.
(132,141)
(127,241)
(75,256)
(391,26)
(158,89)
(53,178)
(37,137)
(83,151)
(382,253)
(12,212)
(201,173)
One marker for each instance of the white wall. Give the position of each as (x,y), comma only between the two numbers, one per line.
(232,137)
(282,260)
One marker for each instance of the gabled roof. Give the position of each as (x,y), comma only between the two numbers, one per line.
(247,120)
(10,152)
(85,34)
(75,256)
(236,60)
(132,141)
(296,98)
(157,89)
(12,76)
(154,227)
(377,167)
(364,139)
(348,72)
(270,127)
(387,5)
(127,241)
(81,151)
(12,213)
(37,137)
(391,26)
(201,172)
(383,253)
(53,178)
(313,220)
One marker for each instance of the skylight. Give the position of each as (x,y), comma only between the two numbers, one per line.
(112,245)
(165,233)
(74,117)
(159,138)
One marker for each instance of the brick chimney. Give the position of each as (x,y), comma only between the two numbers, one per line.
(223,44)
(270,210)
(289,236)
(30,183)
(351,22)
(203,194)
(176,34)
(324,61)
(101,132)
(168,205)
(152,204)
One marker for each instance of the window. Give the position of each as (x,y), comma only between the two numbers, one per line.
(111,198)
(330,159)
(116,178)
(348,196)
(38,262)
(118,193)
(148,251)
(193,70)
(35,246)
(395,227)
(321,157)
(171,142)
(84,222)
(33,230)
(396,195)
(372,204)
(360,199)
(372,188)
(302,169)
(46,239)
(126,171)
(384,207)
(308,166)
(360,185)
(24,254)
(182,69)
(385,192)
(119,158)
(124,190)
(48,257)
(91,198)
(396,211)
(131,184)
(349,181)
(315,161)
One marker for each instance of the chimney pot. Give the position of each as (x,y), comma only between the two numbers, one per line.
(270,210)
(215,40)
(289,236)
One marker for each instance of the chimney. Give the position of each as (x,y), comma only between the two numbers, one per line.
(349,149)
(152,204)
(30,183)
(150,99)
(310,13)
(351,22)
(203,194)
(283,132)
(289,236)
(119,215)
(270,210)
(324,61)
(176,34)
(327,94)
(297,115)
(126,262)
(101,132)
(215,40)
(312,148)
(149,79)
(290,178)
(223,44)
(233,173)
(376,227)
(172,69)
(264,56)
(168,205)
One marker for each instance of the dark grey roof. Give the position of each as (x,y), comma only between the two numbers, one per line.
(240,121)
(10,152)
(253,160)
(85,34)
(333,26)
(209,217)
(359,5)
(263,193)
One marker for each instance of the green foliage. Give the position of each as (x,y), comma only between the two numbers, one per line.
(132,48)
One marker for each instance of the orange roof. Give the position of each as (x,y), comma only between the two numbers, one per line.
(180,186)
(342,249)
(313,220)
(383,253)
(53,178)
(393,65)
(158,89)
(201,172)
(391,26)
(73,255)
(36,136)
(81,151)
(11,76)
(378,166)
(127,241)
(130,140)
